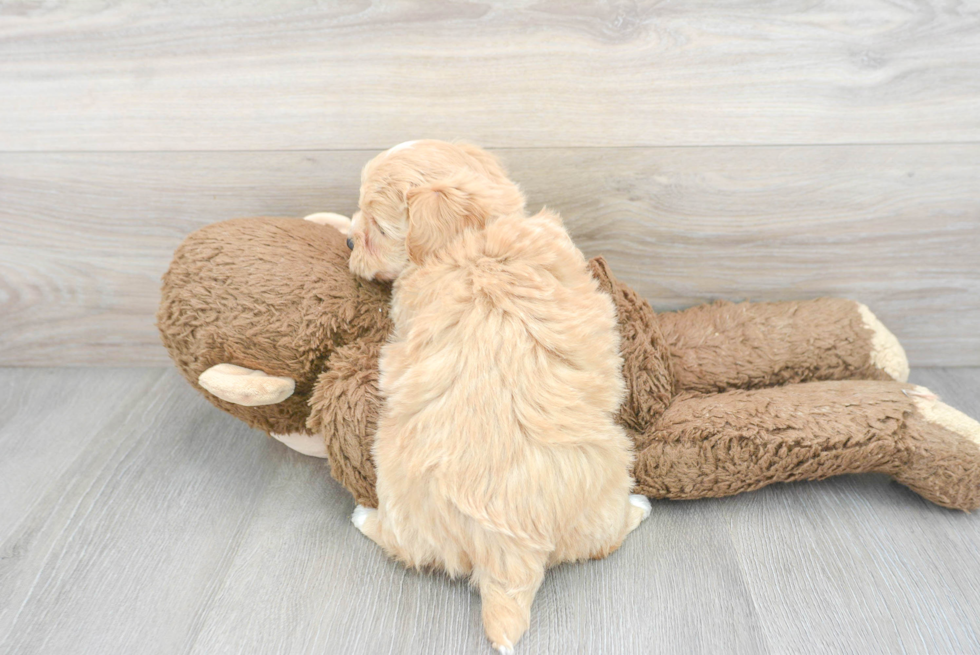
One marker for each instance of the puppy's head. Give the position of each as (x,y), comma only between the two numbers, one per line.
(420,196)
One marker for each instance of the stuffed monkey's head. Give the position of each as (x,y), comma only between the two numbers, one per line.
(272,295)
(417,197)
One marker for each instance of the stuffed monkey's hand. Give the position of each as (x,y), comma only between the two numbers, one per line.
(246,386)
(339,221)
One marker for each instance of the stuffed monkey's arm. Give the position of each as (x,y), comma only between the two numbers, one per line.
(345,406)
(722,444)
(750,345)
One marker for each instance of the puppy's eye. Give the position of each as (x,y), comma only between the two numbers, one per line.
(375,224)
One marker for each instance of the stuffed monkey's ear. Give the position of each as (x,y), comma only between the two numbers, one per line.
(440,212)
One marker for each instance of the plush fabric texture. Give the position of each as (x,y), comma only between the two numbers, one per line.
(647,366)
(272,294)
(345,407)
(773,342)
(721,398)
(803,432)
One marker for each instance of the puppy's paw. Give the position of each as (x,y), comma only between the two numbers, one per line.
(505,650)
(360,516)
(637,500)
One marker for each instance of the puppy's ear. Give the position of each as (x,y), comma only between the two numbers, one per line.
(509,198)
(441,211)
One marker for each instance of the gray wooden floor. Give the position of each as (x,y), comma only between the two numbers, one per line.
(136,518)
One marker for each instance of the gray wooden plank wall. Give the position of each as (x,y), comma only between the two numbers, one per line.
(736,150)
(268,75)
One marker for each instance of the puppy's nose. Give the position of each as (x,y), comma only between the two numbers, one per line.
(350,243)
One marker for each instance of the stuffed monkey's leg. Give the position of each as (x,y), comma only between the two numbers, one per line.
(751,345)
(723,444)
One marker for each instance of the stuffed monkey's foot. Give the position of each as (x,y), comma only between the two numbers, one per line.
(246,386)
(887,353)
(339,221)
(944,464)
(937,412)
(303,443)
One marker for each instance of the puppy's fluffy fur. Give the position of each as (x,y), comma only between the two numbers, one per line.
(497,453)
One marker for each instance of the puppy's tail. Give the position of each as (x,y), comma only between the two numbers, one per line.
(507,602)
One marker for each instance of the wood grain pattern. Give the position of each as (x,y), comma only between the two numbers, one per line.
(86,236)
(48,418)
(304,75)
(125,546)
(156,524)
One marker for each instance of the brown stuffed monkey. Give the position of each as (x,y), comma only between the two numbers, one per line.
(264,318)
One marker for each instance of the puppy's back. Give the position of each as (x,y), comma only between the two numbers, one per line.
(502,382)
(514,304)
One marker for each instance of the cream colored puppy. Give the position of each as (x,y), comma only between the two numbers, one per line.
(497,452)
